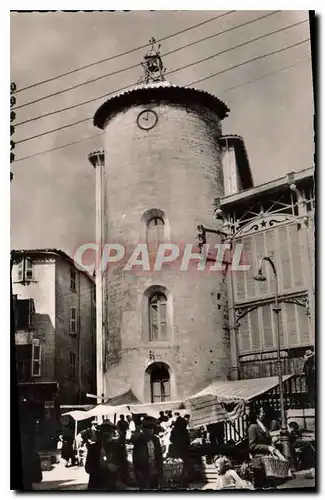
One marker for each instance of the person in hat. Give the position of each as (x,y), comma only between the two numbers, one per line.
(106,463)
(122,427)
(147,458)
(92,439)
(67,452)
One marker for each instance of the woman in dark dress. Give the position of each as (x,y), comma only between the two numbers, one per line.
(105,462)
(67,452)
(180,444)
(260,444)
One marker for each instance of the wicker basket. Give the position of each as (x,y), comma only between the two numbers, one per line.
(173,470)
(274,467)
(173,474)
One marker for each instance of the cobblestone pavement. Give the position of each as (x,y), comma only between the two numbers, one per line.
(76,478)
(62,478)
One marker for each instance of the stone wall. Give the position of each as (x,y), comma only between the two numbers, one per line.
(175,168)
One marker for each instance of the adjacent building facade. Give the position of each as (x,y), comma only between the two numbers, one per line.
(274,220)
(54,306)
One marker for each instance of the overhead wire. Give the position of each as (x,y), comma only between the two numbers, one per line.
(174,71)
(106,59)
(249,61)
(61,110)
(264,76)
(101,133)
(133,66)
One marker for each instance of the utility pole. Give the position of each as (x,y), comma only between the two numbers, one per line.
(97,159)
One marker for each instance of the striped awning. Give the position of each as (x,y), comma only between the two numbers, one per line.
(205,410)
(224,401)
(240,390)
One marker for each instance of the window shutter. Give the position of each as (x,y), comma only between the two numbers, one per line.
(267,326)
(73,278)
(248,257)
(305,336)
(158,317)
(288,312)
(155,232)
(73,320)
(166,390)
(156,391)
(296,254)
(284,256)
(20,270)
(244,337)
(31,313)
(36,359)
(28,270)
(153,321)
(162,320)
(160,231)
(254,330)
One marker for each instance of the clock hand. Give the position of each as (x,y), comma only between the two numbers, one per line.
(146,117)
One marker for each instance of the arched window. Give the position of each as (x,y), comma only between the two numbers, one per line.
(155,232)
(158,317)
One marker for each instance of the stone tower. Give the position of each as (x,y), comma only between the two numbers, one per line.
(163,168)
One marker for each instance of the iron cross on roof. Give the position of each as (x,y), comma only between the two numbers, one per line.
(153,66)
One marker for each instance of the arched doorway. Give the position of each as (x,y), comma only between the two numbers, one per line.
(157,383)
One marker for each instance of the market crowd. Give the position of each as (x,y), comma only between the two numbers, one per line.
(139,451)
(143,442)
(143,447)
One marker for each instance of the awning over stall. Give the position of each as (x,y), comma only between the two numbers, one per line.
(107,411)
(126,398)
(236,390)
(153,409)
(77,415)
(206,410)
(224,401)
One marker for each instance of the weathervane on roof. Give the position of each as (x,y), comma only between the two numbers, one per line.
(153,66)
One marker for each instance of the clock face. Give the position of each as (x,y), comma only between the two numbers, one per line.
(147,119)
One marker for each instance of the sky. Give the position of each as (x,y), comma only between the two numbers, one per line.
(53,194)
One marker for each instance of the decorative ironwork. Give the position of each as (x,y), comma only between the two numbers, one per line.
(280,205)
(240,312)
(301,300)
(264,222)
(153,66)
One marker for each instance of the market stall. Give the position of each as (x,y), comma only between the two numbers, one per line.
(218,423)
(222,407)
(225,401)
